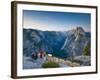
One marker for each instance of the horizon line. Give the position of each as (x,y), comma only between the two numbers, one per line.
(55,30)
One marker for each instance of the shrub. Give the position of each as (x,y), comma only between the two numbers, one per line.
(50,65)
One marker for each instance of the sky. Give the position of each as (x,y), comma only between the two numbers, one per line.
(56,21)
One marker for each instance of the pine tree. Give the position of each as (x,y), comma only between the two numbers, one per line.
(87,50)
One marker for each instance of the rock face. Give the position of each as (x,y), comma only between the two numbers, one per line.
(60,44)
(76,41)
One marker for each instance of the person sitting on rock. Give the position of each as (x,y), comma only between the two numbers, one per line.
(34,55)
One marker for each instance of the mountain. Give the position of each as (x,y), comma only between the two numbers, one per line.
(76,41)
(61,44)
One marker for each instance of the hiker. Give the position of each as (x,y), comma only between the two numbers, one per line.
(34,55)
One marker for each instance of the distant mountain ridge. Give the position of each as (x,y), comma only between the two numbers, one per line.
(60,44)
